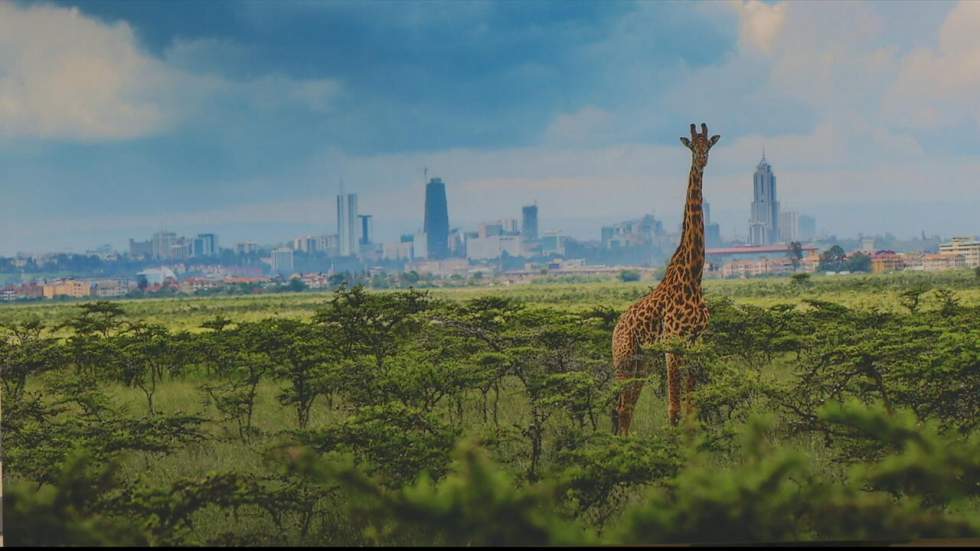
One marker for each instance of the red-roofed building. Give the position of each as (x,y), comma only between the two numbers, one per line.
(886,261)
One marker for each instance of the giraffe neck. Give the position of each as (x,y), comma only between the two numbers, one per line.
(688,261)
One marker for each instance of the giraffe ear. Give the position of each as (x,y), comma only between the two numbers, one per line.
(686,142)
(714,139)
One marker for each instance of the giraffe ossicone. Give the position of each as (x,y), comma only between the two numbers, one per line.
(675,308)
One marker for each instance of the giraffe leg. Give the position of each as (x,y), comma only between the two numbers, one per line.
(689,409)
(629,394)
(674,366)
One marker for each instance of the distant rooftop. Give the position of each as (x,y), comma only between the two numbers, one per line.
(750,249)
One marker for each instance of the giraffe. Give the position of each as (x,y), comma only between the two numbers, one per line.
(675,308)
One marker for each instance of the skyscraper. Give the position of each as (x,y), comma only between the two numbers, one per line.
(764,224)
(282,261)
(529,222)
(306,244)
(364,238)
(206,244)
(789,225)
(347,228)
(712,232)
(436,219)
(808,228)
(163,242)
(329,244)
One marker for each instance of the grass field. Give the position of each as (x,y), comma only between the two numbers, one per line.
(852,290)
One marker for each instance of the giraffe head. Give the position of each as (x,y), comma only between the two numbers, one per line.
(699,144)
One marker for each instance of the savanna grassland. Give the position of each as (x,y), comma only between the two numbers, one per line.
(828,408)
(857,291)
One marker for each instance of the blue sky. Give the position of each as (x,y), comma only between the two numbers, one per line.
(118,118)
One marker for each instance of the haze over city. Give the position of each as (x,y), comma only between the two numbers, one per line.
(119,119)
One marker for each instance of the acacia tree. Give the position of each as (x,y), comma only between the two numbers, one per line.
(147,352)
(301,356)
(24,353)
(832,260)
(89,347)
(795,254)
(911,297)
(549,355)
(101,318)
(240,366)
(858,262)
(481,325)
(948,302)
(371,324)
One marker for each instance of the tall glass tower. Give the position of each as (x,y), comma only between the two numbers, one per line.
(347,229)
(436,219)
(529,223)
(764,224)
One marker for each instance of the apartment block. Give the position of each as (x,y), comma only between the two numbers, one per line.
(68,288)
(967,247)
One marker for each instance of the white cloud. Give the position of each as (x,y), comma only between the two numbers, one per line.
(318,95)
(941,86)
(66,76)
(835,68)
(588,124)
(63,75)
(760,23)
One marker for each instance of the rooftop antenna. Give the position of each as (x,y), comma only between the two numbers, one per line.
(763,152)
(341,185)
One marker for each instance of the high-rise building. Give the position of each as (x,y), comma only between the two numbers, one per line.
(490,229)
(162,243)
(486,248)
(966,246)
(789,225)
(764,224)
(347,223)
(420,245)
(553,243)
(282,261)
(529,222)
(808,228)
(206,244)
(643,231)
(457,242)
(712,235)
(329,244)
(867,245)
(181,248)
(140,249)
(306,244)
(246,247)
(712,232)
(364,236)
(608,233)
(510,226)
(402,250)
(436,220)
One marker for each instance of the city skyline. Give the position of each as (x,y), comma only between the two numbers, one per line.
(347,203)
(233,122)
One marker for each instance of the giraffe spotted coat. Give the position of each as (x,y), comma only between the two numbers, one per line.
(675,308)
